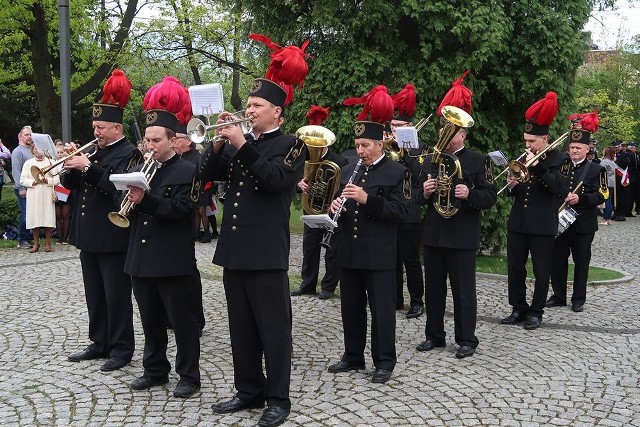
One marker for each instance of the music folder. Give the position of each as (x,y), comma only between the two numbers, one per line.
(135,179)
(323,221)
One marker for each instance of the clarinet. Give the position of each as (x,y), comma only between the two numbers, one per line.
(326,239)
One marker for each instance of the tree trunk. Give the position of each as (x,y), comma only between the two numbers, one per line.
(236,101)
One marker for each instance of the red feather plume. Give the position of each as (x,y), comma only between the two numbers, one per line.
(288,64)
(185,114)
(458,96)
(317,114)
(378,105)
(405,100)
(587,121)
(117,89)
(168,95)
(543,112)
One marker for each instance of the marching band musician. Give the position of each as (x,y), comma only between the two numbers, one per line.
(375,202)
(577,238)
(161,254)
(103,246)
(261,170)
(533,221)
(408,255)
(312,237)
(451,244)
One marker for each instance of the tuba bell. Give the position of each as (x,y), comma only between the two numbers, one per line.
(446,167)
(323,176)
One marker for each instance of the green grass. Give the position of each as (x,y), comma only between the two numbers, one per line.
(498,265)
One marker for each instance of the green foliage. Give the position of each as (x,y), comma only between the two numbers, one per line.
(8,206)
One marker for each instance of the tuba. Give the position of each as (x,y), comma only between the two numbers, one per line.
(446,167)
(323,176)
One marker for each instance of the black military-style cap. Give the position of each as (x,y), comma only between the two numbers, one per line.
(269,90)
(369,130)
(161,118)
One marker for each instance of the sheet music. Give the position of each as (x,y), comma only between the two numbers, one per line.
(498,158)
(136,179)
(206,100)
(44,144)
(407,137)
(323,221)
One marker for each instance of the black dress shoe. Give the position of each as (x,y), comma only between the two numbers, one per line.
(86,354)
(428,345)
(145,382)
(343,366)
(113,363)
(619,218)
(465,351)
(532,322)
(554,301)
(577,307)
(300,291)
(185,389)
(513,318)
(273,416)
(381,376)
(325,295)
(416,310)
(235,405)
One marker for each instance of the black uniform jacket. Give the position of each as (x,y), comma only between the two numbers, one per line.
(192,156)
(536,202)
(589,196)
(261,179)
(411,163)
(96,196)
(368,240)
(161,243)
(461,231)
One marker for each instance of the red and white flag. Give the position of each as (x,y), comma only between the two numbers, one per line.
(624,176)
(62,193)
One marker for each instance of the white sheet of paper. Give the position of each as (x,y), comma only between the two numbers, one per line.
(323,221)
(407,137)
(498,158)
(136,179)
(206,100)
(44,144)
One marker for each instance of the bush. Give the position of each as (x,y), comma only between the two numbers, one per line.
(8,208)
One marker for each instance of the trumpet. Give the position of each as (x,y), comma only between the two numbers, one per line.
(39,174)
(199,132)
(520,171)
(119,218)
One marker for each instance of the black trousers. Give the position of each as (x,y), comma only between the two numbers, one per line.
(377,286)
(460,266)
(172,297)
(623,199)
(196,283)
(107,290)
(519,245)
(408,255)
(311,239)
(632,189)
(259,307)
(579,245)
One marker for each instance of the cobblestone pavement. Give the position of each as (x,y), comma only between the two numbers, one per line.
(578,369)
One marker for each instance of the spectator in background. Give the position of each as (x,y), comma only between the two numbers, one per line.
(5,154)
(607,162)
(40,199)
(63,207)
(19,156)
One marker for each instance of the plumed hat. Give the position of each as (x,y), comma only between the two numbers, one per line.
(288,68)
(458,96)
(184,115)
(376,111)
(164,101)
(317,115)
(582,126)
(404,103)
(541,114)
(115,96)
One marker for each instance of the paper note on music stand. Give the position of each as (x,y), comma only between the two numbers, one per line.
(323,221)
(44,144)
(206,100)
(135,179)
(498,158)
(407,137)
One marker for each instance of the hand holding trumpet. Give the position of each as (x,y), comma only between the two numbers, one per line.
(233,132)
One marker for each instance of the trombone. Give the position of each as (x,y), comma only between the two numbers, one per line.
(520,171)
(393,149)
(119,218)
(199,132)
(39,174)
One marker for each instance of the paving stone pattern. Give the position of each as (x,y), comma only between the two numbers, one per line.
(578,369)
